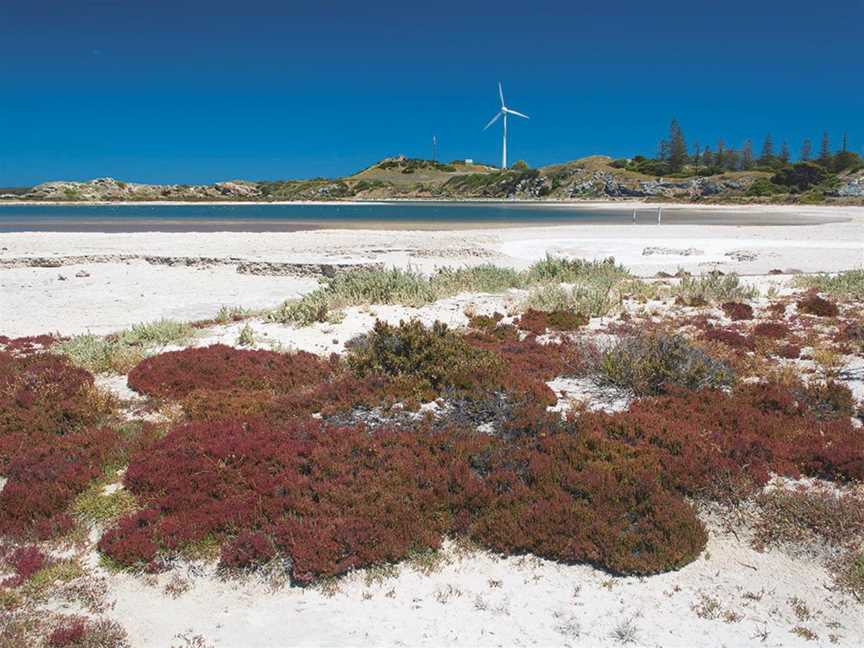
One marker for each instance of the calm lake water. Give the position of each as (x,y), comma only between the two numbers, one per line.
(402,215)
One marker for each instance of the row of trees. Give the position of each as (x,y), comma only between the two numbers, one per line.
(674,155)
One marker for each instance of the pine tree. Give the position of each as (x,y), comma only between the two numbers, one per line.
(708,157)
(784,153)
(697,156)
(825,150)
(767,155)
(677,146)
(720,155)
(805,150)
(747,156)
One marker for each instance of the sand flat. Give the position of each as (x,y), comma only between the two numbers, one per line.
(116,295)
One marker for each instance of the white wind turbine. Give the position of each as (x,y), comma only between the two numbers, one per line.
(504,111)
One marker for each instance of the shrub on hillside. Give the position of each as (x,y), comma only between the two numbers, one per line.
(829,399)
(652,364)
(801,176)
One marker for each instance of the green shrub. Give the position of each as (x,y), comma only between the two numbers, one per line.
(801,176)
(557,269)
(160,333)
(412,288)
(849,284)
(436,358)
(764,187)
(100,354)
(651,364)
(120,352)
(713,287)
(592,299)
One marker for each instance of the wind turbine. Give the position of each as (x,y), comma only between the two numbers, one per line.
(504,111)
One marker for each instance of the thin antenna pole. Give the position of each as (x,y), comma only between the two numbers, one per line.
(434,148)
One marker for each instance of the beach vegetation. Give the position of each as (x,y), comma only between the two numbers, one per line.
(801,176)
(843,285)
(246,337)
(774,330)
(175,374)
(713,287)
(120,352)
(538,322)
(654,364)
(813,304)
(596,281)
(736,311)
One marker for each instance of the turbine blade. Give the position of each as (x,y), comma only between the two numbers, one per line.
(518,114)
(501,93)
(492,121)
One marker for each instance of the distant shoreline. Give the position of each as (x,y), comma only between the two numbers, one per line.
(597,204)
(442,216)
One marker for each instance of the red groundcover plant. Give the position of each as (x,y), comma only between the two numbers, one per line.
(50,446)
(177,373)
(253,471)
(42,396)
(334,499)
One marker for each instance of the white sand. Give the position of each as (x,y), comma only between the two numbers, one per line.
(483,600)
(116,295)
(477,600)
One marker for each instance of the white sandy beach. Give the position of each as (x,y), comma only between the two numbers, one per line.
(731,596)
(117,294)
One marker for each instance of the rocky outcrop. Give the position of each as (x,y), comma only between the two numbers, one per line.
(851,186)
(109,189)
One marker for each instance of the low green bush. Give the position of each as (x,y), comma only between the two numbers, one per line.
(120,352)
(652,364)
(596,281)
(849,284)
(713,287)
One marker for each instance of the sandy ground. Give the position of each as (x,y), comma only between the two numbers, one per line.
(117,295)
(483,600)
(731,596)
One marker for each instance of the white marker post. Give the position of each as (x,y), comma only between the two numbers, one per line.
(634,214)
(659,215)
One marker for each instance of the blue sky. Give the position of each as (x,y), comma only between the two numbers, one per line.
(185,91)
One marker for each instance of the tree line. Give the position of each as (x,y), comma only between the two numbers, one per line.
(674,156)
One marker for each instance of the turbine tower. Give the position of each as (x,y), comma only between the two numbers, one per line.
(504,111)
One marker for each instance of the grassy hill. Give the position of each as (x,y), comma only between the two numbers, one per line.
(594,177)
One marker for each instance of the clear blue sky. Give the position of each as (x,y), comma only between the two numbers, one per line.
(189,91)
